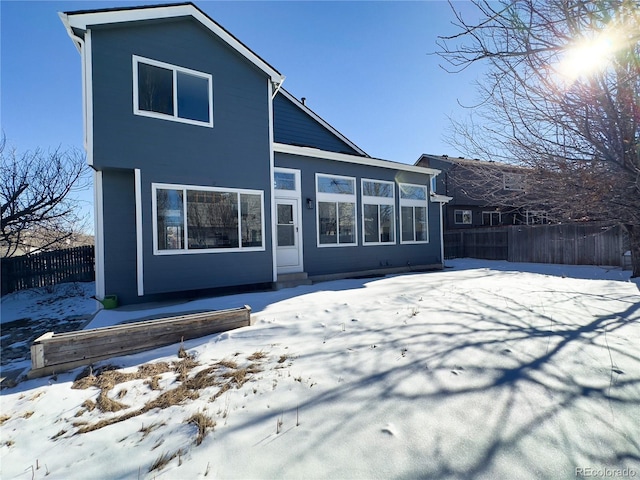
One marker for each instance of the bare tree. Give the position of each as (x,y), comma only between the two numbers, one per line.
(38,212)
(561,96)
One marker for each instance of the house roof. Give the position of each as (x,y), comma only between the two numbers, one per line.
(466,161)
(82,19)
(355,159)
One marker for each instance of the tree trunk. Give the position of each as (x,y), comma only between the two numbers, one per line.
(634,244)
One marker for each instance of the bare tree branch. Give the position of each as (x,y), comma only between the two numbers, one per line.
(38,212)
(578,132)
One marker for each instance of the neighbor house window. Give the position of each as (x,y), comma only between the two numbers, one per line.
(196,219)
(413,214)
(378,212)
(336,207)
(536,217)
(513,181)
(463,217)
(174,93)
(491,218)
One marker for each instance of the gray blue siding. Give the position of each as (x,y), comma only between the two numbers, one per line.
(293,126)
(233,154)
(343,259)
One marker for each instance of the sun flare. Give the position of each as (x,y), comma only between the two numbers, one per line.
(588,56)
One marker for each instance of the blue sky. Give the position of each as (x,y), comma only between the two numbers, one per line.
(363,66)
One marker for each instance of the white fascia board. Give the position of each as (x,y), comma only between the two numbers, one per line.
(440,198)
(83,20)
(343,157)
(322,122)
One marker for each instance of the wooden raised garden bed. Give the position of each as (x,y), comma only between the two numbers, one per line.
(59,352)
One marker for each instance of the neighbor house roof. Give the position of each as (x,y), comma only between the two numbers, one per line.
(82,19)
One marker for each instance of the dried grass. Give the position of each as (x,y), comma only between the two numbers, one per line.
(107,404)
(163,460)
(154,382)
(4,418)
(224,374)
(203,423)
(259,355)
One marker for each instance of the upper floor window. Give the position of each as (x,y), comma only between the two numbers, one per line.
(161,90)
(413,214)
(513,181)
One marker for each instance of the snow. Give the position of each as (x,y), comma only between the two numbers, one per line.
(484,370)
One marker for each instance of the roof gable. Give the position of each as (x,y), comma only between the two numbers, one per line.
(82,19)
(296,124)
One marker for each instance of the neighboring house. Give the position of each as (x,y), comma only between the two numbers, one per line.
(481,193)
(209,175)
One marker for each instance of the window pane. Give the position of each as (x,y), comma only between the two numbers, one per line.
(413,192)
(212,219)
(193,97)
(251,220)
(371,233)
(377,189)
(284,181)
(421,224)
(327,222)
(336,185)
(387,226)
(347,216)
(170,221)
(407,224)
(155,89)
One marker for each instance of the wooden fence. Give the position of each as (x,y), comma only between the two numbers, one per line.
(571,244)
(48,268)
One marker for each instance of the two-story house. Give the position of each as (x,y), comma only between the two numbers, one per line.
(208,174)
(483,193)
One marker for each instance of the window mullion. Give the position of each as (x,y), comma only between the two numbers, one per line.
(185,225)
(337,223)
(175,93)
(238,200)
(415,229)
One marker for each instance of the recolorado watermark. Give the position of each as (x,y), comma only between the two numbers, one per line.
(605,472)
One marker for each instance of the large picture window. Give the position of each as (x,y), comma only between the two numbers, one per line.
(174,93)
(414,225)
(336,207)
(378,212)
(196,219)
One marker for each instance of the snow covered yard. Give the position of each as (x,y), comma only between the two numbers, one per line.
(486,370)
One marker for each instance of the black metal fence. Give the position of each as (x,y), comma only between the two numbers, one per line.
(570,244)
(48,268)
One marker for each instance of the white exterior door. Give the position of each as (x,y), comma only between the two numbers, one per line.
(288,236)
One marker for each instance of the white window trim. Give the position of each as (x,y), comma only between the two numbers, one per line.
(175,69)
(491,213)
(462,210)
(373,200)
(408,202)
(288,193)
(336,198)
(185,188)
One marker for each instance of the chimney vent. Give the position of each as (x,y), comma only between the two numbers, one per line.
(304,100)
